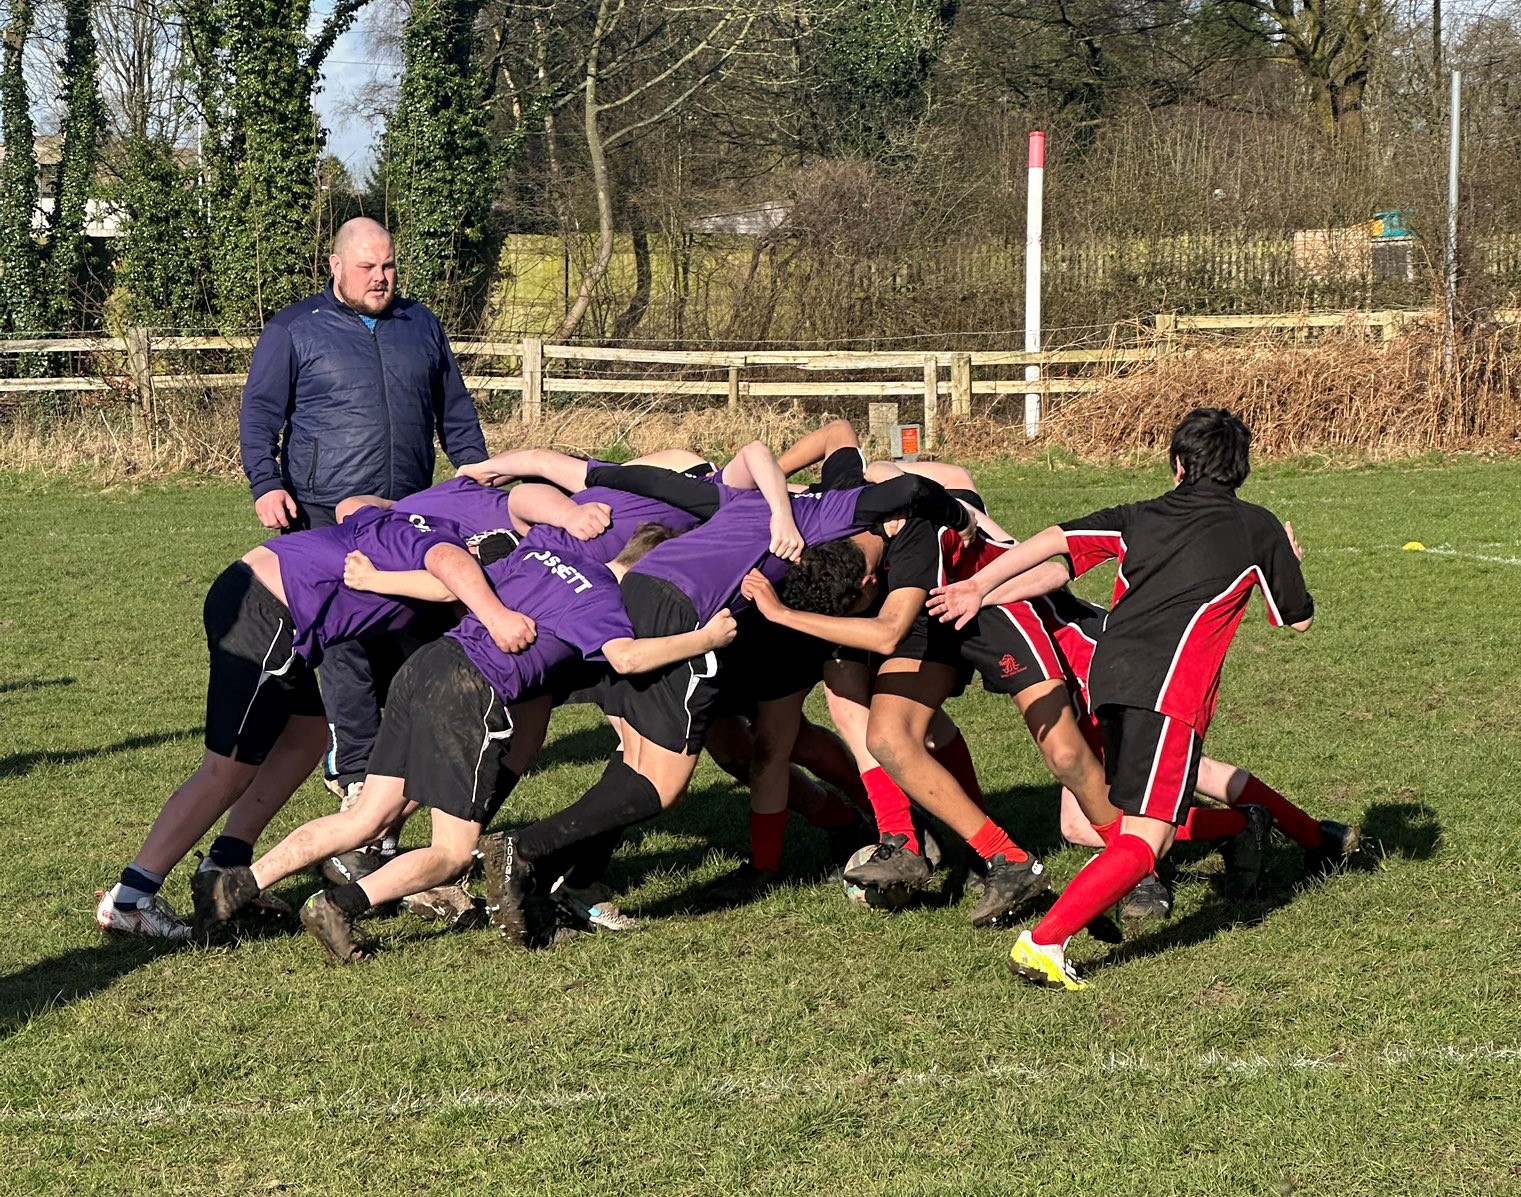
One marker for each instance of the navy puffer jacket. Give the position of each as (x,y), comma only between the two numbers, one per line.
(334,409)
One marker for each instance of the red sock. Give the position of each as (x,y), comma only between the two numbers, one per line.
(991,839)
(890,805)
(956,759)
(1211,823)
(820,806)
(766,839)
(1293,822)
(1108,831)
(1103,882)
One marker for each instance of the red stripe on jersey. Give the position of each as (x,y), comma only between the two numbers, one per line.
(1035,632)
(961,560)
(1192,685)
(1093,546)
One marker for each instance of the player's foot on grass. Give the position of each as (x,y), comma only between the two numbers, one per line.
(452,904)
(741,886)
(333,929)
(1339,842)
(151,917)
(1150,899)
(219,894)
(893,863)
(592,907)
(1044,965)
(1245,855)
(1008,886)
(510,901)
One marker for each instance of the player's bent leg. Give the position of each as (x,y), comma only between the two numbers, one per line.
(295,754)
(1047,712)
(449,855)
(1074,825)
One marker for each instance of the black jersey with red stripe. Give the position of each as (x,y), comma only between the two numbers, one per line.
(1188,563)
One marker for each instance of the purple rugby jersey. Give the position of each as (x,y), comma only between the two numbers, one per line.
(575,604)
(628,512)
(708,564)
(323,610)
(476,509)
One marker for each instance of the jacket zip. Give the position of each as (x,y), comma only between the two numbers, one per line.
(385,406)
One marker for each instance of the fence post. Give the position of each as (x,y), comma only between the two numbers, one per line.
(533,380)
(931,401)
(961,384)
(881,419)
(1167,328)
(734,390)
(140,366)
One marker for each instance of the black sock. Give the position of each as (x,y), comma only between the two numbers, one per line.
(228,851)
(351,899)
(621,799)
(134,885)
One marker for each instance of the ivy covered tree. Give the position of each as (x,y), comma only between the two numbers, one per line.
(162,265)
(440,169)
(21,306)
(69,272)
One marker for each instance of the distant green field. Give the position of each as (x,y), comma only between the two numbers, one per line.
(1362,1036)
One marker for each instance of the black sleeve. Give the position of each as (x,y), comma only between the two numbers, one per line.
(912,557)
(911,495)
(1289,600)
(679,490)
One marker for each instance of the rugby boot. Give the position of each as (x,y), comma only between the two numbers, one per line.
(893,863)
(1246,853)
(1008,886)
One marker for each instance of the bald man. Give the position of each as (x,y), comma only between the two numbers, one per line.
(345,393)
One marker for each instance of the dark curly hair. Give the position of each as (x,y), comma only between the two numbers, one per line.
(827,581)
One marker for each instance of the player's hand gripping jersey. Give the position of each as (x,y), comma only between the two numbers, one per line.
(1188,562)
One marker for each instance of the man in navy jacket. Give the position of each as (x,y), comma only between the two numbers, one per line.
(344,395)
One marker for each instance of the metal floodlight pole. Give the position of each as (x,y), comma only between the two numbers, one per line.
(1034,224)
(1449,350)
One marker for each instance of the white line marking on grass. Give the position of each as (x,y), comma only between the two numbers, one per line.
(365,1106)
(1438,551)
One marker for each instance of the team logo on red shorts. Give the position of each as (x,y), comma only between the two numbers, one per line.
(1008,666)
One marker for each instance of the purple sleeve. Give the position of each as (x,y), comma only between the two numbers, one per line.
(596,622)
(267,400)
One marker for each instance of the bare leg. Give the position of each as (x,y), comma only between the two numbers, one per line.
(412,872)
(1075,827)
(1048,714)
(379,802)
(825,755)
(192,811)
(669,772)
(289,763)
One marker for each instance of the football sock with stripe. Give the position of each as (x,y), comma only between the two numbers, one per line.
(890,806)
(136,884)
(1293,822)
(1205,823)
(227,851)
(992,840)
(956,759)
(766,833)
(1101,883)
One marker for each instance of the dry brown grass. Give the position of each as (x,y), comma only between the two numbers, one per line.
(1343,398)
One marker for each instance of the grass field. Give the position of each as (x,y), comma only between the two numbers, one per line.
(1358,1037)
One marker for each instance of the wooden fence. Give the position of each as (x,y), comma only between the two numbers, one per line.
(130,367)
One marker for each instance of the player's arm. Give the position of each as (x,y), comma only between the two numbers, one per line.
(535,503)
(630,654)
(754,468)
(962,600)
(560,469)
(816,446)
(691,495)
(1043,579)
(1289,600)
(908,495)
(879,633)
(359,573)
(459,571)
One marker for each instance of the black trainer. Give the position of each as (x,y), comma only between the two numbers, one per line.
(1339,842)
(218,894)
(510,901)
(891,864)
(1245,855)
(333,929)
(1150,899)
(1008,886)
(741,886)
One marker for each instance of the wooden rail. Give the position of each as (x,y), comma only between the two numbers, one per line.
(132,366)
